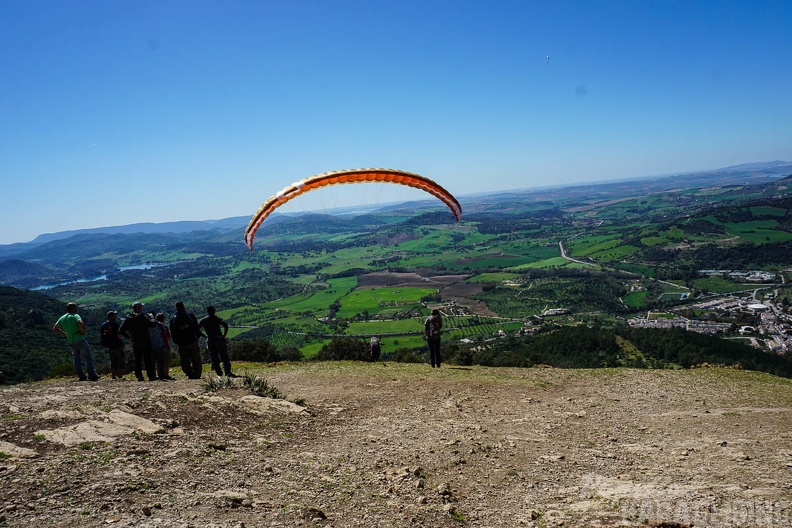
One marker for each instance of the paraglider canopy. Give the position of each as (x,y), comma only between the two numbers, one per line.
(349,176)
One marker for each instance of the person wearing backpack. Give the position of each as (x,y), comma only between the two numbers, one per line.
(110,338)
(432,327)
(184,332)
(136,327)
(158,352)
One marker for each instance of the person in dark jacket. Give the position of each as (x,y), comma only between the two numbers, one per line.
(136,327)
(432,327)
(184,332)
(110,338)
(215,329)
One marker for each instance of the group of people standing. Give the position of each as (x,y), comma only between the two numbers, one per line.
(151,342)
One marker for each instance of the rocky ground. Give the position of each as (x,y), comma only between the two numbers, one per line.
(397,445)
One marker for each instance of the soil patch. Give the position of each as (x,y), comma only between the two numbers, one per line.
(396,445)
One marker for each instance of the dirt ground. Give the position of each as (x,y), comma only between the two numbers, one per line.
(400,445)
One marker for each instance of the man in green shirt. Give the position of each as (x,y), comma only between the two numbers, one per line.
(71,325)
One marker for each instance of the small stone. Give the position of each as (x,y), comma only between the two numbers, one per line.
(146,511)
(314,514)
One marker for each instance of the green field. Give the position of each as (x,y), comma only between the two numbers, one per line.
(636,299)
(382,301)
(766,210)
(319,301)
(720,285)
(555,262)
(493,277)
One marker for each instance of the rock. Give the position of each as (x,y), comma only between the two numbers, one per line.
(120,424)
(134,422)
(262,405)
(90,431)
(16,451)
(553,518)
(665,524)
(312,514)
(233,496)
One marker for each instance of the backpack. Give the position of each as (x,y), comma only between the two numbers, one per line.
(433,326)
(155,334)
(104,335)
(184,328)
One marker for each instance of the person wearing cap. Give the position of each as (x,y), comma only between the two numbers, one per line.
(72,326)
(136,327)
(110,338)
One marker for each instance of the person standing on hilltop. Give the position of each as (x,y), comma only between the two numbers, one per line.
(110,338)
(432,327)
(136,327)
(374,348)
(158,348)
(163,362)
(72,326)
(215,329)
(184,332)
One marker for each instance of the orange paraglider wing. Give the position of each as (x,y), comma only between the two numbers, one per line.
(349,176)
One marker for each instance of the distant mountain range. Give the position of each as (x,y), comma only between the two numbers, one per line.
(744,174)
(150,227)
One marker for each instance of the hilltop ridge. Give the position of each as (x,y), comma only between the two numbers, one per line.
(402,445)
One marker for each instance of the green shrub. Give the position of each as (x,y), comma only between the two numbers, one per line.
(405,355)
(262,351)
(344,348)
(216,383)
(260,386)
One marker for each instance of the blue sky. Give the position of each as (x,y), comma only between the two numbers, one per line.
(115,112)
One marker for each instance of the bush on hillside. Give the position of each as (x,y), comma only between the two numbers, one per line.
(261,350)
(344,348)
